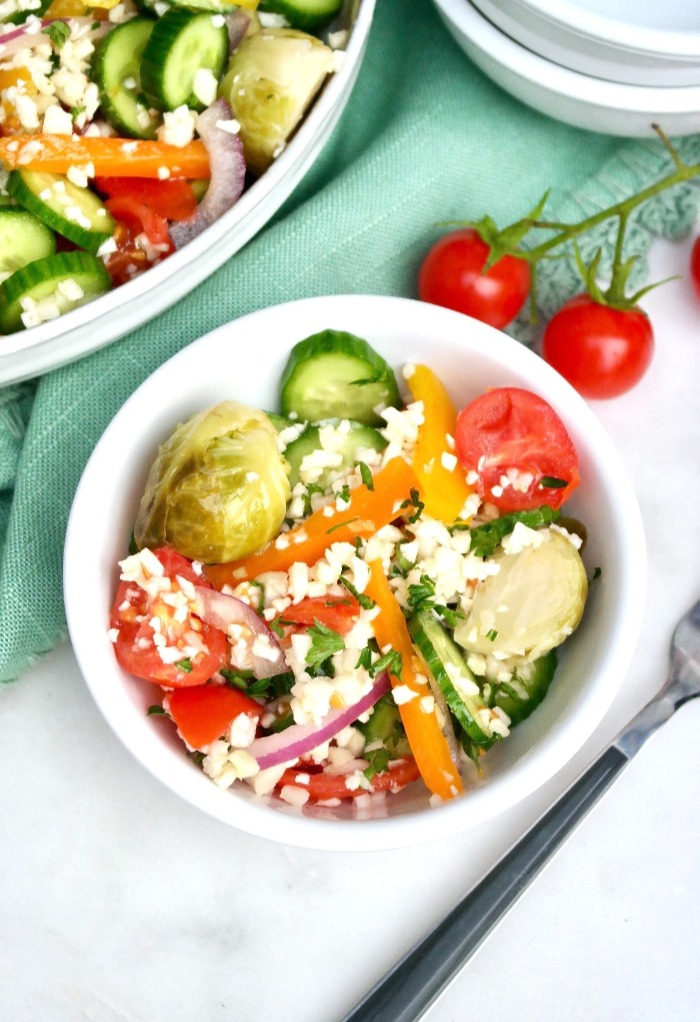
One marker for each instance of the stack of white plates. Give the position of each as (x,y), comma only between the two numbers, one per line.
(616,68)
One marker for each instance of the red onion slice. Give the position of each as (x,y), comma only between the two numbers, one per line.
(237,23)
(221,610)
(227,166)
(297,740)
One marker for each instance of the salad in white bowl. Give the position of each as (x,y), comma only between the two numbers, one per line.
(355,591)
(127,129)
(336,624)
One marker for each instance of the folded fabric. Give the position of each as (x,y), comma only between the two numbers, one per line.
(426,138)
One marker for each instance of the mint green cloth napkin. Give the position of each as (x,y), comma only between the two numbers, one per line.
(425,138)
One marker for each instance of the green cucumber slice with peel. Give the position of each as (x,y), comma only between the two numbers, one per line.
(336,375)
(75,212)
(447,666)
(182,43)
(116,70)
(352,439)
(23,239)
(68,279)
(304,14)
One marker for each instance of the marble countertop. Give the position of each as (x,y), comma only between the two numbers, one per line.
(121,903)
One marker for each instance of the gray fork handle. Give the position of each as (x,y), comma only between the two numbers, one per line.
(417,980)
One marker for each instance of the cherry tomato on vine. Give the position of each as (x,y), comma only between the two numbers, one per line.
(451,276)
(519,449)
(695,266)
(602,352)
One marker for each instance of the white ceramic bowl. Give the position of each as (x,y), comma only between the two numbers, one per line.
(30,352)
(658,28)
(244,360)
(578,99)
(576,36)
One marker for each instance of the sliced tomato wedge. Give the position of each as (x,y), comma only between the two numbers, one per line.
(173,198)
(134,615)
(205,713)
(322,786)
(519,449)
(337,612)
(132,258)
(140,219)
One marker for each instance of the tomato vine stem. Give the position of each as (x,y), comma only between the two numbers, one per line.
(622,209)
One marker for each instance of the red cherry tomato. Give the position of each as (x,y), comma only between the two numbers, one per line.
(602,352)
(132,616)
(337,612)
(323,786)
(695,266)
(451,275)
(519,448)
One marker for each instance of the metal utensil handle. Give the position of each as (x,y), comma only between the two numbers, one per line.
(408,990)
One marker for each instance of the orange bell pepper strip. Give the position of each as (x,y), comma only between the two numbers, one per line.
(428,743)
(368,510)
(443,490)
(110,157)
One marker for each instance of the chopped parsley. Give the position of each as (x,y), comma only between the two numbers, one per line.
(343,494)
(378,763)
(58,32)
(553,483)
(184,665)
(365,602)
(413,501)
(311,488)
(156,711)
(421,594)
(487,537)
(389,661)
(324,643)
(366,475)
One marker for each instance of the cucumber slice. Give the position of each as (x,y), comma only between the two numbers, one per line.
(23,238)
(74,212)
(182,43)
(519,697)
(67,279)
(159,7)
(304,14)
(350,439)
(335,375)
(532,604)
(280,422)
(116,70)
(447,665)
(384,725)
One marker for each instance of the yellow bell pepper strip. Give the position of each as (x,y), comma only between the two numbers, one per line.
(367,511)
(110,157)
(443,490)
(14,82)
(428,743)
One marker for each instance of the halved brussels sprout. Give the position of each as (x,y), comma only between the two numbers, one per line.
(272,78)
(218,489)
(532,604)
